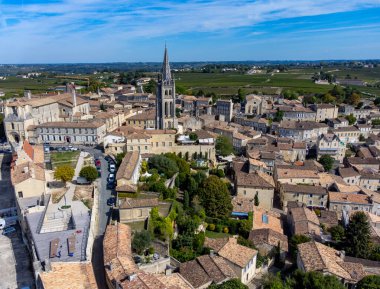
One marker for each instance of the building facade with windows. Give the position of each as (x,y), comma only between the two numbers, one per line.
(71,132)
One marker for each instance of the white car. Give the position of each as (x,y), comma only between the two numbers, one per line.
(111,177)
(71,148)
(112,168)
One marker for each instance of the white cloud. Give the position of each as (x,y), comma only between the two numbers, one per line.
(89,22)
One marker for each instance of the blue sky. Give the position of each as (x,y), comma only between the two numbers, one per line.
(59,31)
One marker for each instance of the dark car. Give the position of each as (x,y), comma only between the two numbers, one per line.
(111,186)
(111,201)
(108,158)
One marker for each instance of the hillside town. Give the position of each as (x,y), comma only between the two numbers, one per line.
(122,188)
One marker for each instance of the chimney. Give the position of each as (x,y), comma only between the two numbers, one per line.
(131,277)
(342,254)
(25,170)
(32,173)
(74,94)
(28,94)
(168,271)
(212,254)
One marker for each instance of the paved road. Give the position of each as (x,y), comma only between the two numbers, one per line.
(103,216)
(104,212)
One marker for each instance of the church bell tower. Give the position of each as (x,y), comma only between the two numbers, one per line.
(165,98)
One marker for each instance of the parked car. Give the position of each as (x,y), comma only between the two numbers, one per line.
(137,259)
(112,168)
(71,148)
(111,201)
(9,230)
(108,159)
(111,186)
(111,177)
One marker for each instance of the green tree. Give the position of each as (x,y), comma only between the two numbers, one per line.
(278,116)
(144,166)
(223,146)
(327,162)
(377,100)
(163,164)
(328,98)
(337,233)
(257,201)
(358,236)
(193,136)
(289,94)
(186,199)
(369,282)
(180,89)
(294,242)
(354,99)
(375,121)
(141,241)
(361,137)
(271,281)
(215,197)
(351,119)
(64,173)
(151,86)
(89,172)
(103,107)
(314,280)
(230,284)
(119,158)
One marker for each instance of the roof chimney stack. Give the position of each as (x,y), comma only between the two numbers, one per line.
(28,94)
(74,93)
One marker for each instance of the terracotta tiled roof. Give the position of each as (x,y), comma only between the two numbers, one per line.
(26,171)
(305,221)
(213,270)
(193,272)
(173,281)
(146,115)
(128,165)
(329,218)
(237,254)
(242,205)
(304,189)
(79,124)
(255,179)
(264,219)
(270,237)
(130,203)
(348,172)
(363,161)
(215,244)
(126,188)
(318,257)
(349,198)
(118,252)
(289,172)
(67,275)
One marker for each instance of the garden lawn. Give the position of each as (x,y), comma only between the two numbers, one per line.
(64,158)
(211,234)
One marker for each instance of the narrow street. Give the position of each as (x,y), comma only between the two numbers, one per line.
(104,212)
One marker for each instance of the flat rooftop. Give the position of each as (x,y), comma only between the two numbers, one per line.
(43,241)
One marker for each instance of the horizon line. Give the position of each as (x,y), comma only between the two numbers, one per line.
(197,61)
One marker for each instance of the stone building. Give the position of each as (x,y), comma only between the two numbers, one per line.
(165,98)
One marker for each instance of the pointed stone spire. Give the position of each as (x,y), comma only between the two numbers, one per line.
(166,73)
